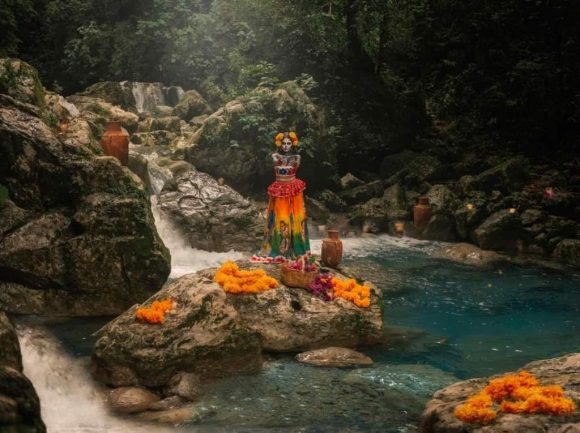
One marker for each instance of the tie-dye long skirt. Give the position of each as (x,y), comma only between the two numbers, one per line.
(285,229)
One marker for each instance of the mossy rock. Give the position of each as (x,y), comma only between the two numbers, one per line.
(236,142)
(20,80)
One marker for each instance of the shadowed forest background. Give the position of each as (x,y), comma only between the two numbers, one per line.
(444,76)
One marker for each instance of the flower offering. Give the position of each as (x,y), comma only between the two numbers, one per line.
(156,313)
(235,280)
(515,393)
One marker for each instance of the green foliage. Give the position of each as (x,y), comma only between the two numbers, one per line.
(387,73)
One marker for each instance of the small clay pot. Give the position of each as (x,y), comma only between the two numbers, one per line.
(422,212)
(115,142)
(331,254)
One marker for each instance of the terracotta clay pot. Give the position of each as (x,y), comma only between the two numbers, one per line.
(331,254)
(115,142)
(422,212)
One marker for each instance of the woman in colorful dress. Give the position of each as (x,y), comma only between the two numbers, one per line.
(286,230)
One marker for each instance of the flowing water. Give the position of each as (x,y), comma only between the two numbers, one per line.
(445,322)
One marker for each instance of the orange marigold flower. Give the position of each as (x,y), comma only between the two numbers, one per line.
(235,280)
(155,313)
(517,393)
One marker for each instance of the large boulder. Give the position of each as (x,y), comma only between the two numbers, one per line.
(191,105)
(438,416)
(20,80)
(97,112)
(292,320)
(443,200)
(19,403)
(441,227)
(204,337)
(362,193)
(423,168)
(82,239)
(379,213)
(212,216)
(213,334)
(509,176)
(500,231)
(236,142)
(568,251)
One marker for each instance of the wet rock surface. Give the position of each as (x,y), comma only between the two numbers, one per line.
(131,400)
(77,235)
(19,403)
(214,334)
(213,217)
(469,254)
(204,337)
(438,416)
(334,357)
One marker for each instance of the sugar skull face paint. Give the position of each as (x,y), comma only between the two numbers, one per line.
(286,145)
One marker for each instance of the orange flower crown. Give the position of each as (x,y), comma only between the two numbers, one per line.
(291,135)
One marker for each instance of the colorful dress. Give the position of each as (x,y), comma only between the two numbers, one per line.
(286,229)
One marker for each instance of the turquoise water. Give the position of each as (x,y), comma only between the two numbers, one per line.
(445,322)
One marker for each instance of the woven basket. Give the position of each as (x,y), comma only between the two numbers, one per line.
(296,278)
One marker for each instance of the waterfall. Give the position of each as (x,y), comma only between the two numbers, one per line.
(184,259)
(148,96)
(70,400)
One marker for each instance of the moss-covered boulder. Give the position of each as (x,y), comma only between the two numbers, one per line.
(20,80)
(236,142)
(80,237)
(211,333)
(191,105)
(204,337)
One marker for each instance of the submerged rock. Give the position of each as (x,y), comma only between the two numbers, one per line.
(131,400)
(82,239)
(213,217)
(19,403)
(469,254)
(438,416)
(334,357)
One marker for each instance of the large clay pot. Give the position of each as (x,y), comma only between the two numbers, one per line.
(422,212)
(331,254)
(115,142)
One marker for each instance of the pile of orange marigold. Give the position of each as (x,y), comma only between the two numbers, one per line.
(235,280)
(515,393)
(351,291)
(155,313)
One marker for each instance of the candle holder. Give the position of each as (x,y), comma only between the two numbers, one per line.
(63,125)
(399,228)
(512,210)
(470,206)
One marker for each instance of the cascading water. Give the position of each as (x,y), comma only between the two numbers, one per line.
(148,96)
(184,259)
(70,400)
